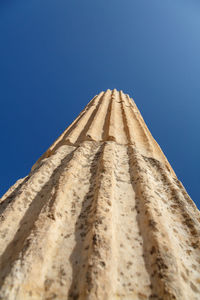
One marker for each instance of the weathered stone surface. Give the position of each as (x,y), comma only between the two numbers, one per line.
(101,216)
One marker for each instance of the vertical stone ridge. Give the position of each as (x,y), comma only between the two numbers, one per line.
(160,262)
(146,139)
(187,215)
(36,194)
(20,201)
(62,138)
(96,128)
(80,132)
(96,281)
(161,213)
(50,214)
(153,146)
(111,124)
(107,121)
(127,125)
(120,123)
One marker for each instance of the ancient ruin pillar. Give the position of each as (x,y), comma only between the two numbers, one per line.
(101,215)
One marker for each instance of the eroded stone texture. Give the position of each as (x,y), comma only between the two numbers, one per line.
(101,216)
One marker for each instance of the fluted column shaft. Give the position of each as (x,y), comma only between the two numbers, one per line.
(101,215)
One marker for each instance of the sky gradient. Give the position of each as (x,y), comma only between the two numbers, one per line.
(56,55)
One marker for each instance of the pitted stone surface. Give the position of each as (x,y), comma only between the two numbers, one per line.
(102,215)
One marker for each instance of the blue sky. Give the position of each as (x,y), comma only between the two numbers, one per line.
(55,55)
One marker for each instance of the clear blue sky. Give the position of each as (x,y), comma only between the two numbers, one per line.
(55,55)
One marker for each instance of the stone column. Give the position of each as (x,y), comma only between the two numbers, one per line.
(101,216)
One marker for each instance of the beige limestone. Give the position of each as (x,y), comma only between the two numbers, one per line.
(102,216)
